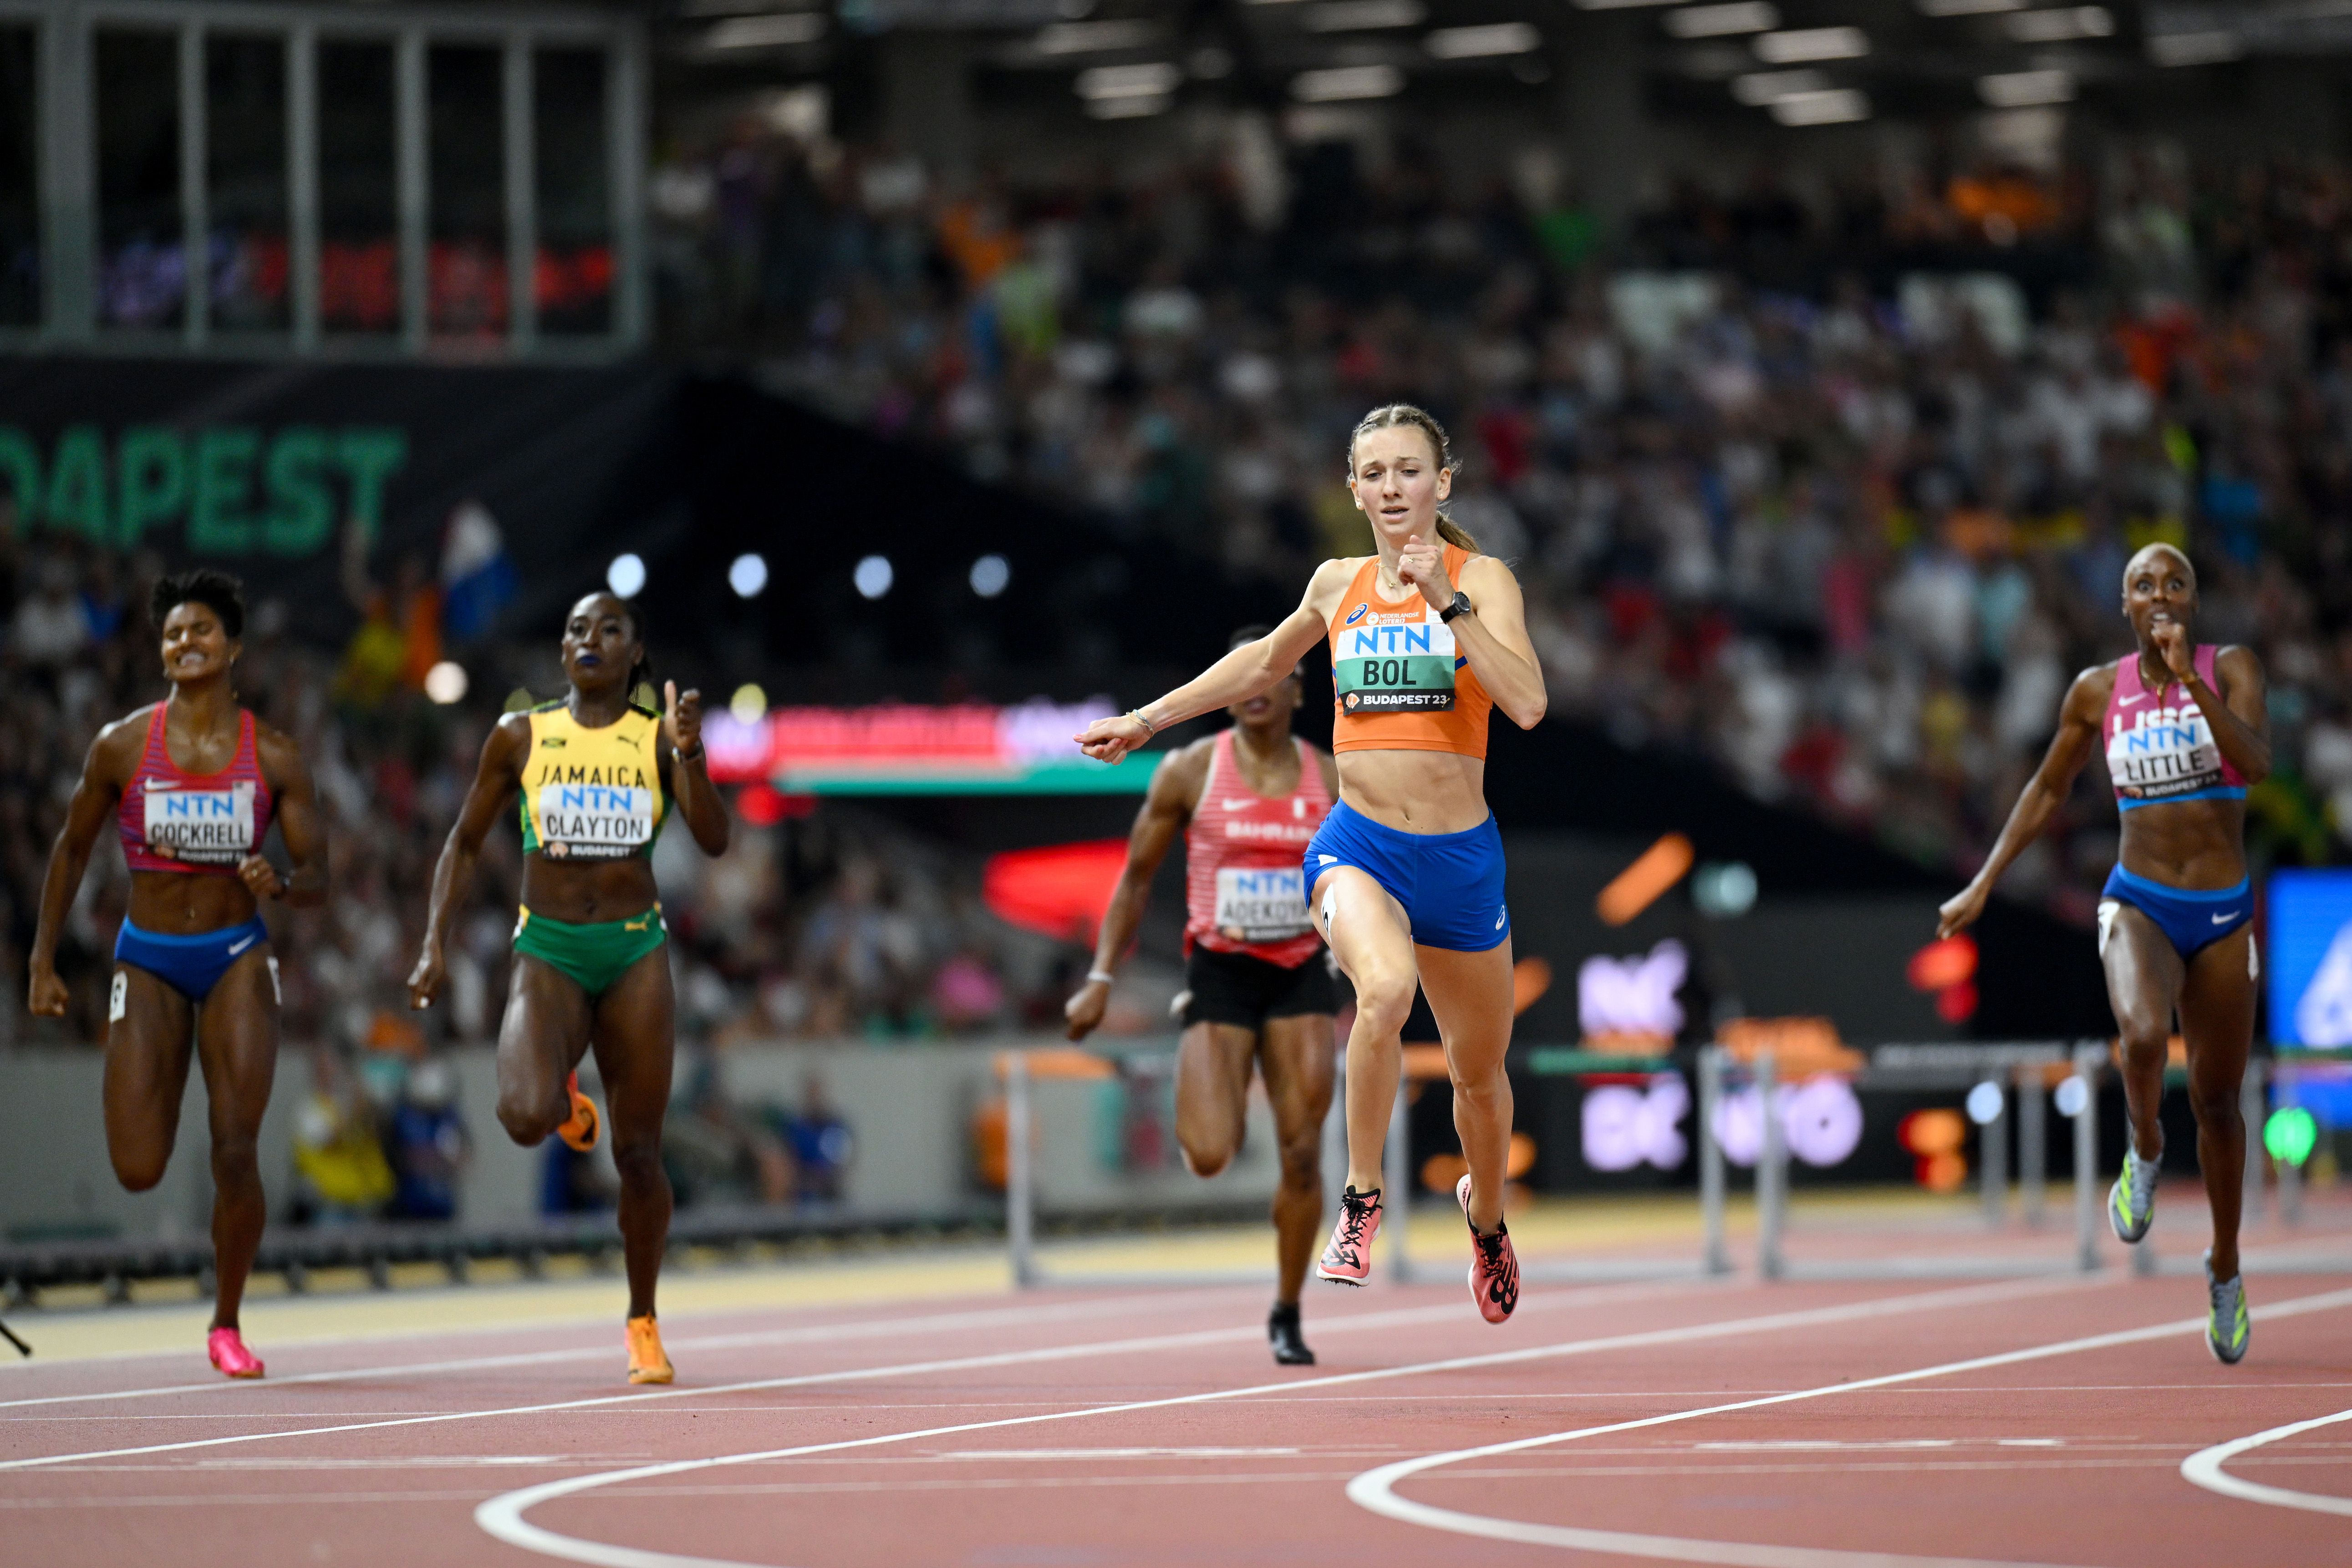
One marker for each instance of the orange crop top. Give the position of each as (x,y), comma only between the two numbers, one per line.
(1398,684)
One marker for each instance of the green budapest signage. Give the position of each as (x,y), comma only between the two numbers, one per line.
(234,489)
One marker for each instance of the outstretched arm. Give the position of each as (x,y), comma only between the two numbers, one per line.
(1167,808)
(1239,675)
(495,780)
(690,770)
(299,821)
(2078,733)
(103,769)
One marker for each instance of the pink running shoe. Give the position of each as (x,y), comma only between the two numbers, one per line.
(1348,1258)
(1494,1267)
(229,1354)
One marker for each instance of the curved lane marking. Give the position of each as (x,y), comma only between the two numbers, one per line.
(1375,1489)
(2203,1468)
(503,1517)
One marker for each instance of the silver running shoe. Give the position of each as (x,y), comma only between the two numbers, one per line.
(2226,1329)
(2131,1202)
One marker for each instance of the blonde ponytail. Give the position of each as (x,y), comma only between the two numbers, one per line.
(1391,415)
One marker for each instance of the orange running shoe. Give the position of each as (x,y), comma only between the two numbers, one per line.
(582,1131)
(226,1347)
(1494,1265)
(647,1363)
(1348,1257)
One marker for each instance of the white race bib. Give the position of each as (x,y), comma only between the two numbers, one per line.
(208,826)
(1268,905)
(594,822)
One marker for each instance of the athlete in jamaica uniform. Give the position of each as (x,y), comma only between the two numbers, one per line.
(192,782)
(2185,729)
(597,773)
(1257,983)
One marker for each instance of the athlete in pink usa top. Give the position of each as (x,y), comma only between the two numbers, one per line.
(2159,746)
(1242,871)
(2185,729)
(200,824)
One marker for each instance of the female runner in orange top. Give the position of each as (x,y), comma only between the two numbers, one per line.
(1405,879)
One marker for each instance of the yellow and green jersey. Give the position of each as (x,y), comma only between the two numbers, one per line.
(592,794)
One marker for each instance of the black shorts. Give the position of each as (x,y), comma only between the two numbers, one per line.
(1234,988)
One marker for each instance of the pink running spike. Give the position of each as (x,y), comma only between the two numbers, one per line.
(229,1354)
(1348,1258)
(1494,1267)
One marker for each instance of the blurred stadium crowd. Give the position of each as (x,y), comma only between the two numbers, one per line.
(1833,488)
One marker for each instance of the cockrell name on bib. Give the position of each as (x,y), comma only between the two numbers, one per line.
(593,812)
(214,825)
(1397,667)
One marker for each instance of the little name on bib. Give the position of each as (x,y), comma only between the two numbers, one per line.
(206,826)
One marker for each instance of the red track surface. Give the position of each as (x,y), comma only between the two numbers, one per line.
(1150,1427)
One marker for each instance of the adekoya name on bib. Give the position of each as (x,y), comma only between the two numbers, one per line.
(1268,905)
(213,826)
(595,821)
(1391,664)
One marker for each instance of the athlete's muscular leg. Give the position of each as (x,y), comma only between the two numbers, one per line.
(541,1038)
(1471,995)
(2144,976)
(1372,940)
(1213,1075)
(237,1042)
(2217,1017)
(148,1050)
(1295,1058)
(636,1038)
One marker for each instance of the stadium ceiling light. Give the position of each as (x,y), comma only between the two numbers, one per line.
(1092,37)
(2060,27)
(746,574)
(1833,106)
(749,703)
(2026,90)
(2211,48)
(1156,79)
(1804,46)
(991,575)
(1137,107)
(1339,84)
(1619,4)
(1967,7)
(873,576)
(1722,21)
(445,682)
(1482,42)
(736,7)
(1759,89)
(773,31)
(1362,15)
(626,575)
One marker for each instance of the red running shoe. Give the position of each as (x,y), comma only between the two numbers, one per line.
(1494,1267)
(226,1347)
(1348,1258)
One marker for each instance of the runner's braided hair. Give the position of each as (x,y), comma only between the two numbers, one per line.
(1388,415)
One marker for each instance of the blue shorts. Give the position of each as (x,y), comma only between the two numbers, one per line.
(191,965)
(1451,884)
(2191,918)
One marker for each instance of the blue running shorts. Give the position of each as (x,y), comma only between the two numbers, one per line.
(2192,919)
(191,965)
(1451,884)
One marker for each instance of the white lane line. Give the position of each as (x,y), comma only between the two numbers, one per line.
(2203,1468)
(503,1517)
(814,1333)
(1399,1318)
(1375,1489)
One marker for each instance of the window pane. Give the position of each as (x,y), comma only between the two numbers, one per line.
(468,274)
(574,279)
(245,156)
(142,269)
(358,214)
(20,205)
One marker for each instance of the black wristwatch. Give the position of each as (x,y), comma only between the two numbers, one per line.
(1461,605)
